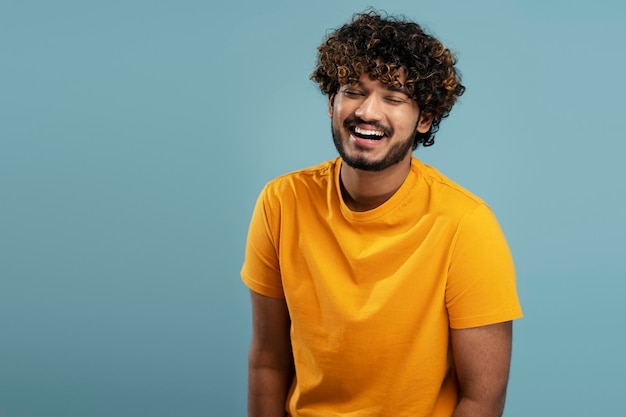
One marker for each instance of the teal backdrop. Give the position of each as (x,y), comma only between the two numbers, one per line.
(136,135)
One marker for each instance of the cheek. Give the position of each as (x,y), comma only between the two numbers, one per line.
(336,108)
(338,114)
(401,121)
(342,108)
(412,123)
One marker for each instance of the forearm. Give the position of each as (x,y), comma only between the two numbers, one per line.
(267,390)
(468,407)
(482,356)
(270,360)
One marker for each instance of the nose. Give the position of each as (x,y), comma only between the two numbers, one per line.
(370,109)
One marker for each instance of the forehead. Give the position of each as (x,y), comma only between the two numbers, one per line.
(388,82)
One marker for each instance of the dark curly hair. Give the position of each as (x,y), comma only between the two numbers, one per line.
(386,47)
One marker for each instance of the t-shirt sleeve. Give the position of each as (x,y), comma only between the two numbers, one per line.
(481,287)
(261,267)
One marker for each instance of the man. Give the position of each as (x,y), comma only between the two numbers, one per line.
(379,287)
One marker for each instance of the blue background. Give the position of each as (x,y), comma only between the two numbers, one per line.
(136,135)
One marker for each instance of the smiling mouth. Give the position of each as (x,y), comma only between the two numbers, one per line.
(367,134)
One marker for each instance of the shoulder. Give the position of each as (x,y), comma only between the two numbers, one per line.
(445,193)
(302,182)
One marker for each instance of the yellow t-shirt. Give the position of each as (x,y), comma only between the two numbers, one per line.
(372,295)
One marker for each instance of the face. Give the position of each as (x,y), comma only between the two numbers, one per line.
(374,124)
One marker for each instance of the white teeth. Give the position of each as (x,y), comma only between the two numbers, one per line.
(368,132)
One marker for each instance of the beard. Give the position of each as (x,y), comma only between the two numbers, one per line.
(395,154)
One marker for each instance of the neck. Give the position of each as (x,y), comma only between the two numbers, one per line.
(366,190)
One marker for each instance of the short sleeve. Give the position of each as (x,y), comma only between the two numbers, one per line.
(481,288)
(261,267)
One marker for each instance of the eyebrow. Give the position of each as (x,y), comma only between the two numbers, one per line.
(388,87)
(397,89)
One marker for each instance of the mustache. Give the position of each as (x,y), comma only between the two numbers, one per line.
(352,122)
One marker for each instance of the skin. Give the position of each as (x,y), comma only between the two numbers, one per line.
(374,106)
(481,354)
(270,361)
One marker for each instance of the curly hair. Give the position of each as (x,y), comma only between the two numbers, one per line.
(386,47)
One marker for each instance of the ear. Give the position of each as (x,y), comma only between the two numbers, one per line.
(331,100)
(426,119)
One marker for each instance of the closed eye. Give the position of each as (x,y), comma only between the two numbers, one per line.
(352,93)
(395,100)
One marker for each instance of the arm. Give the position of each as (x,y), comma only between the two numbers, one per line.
(482,356)
(270,361)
